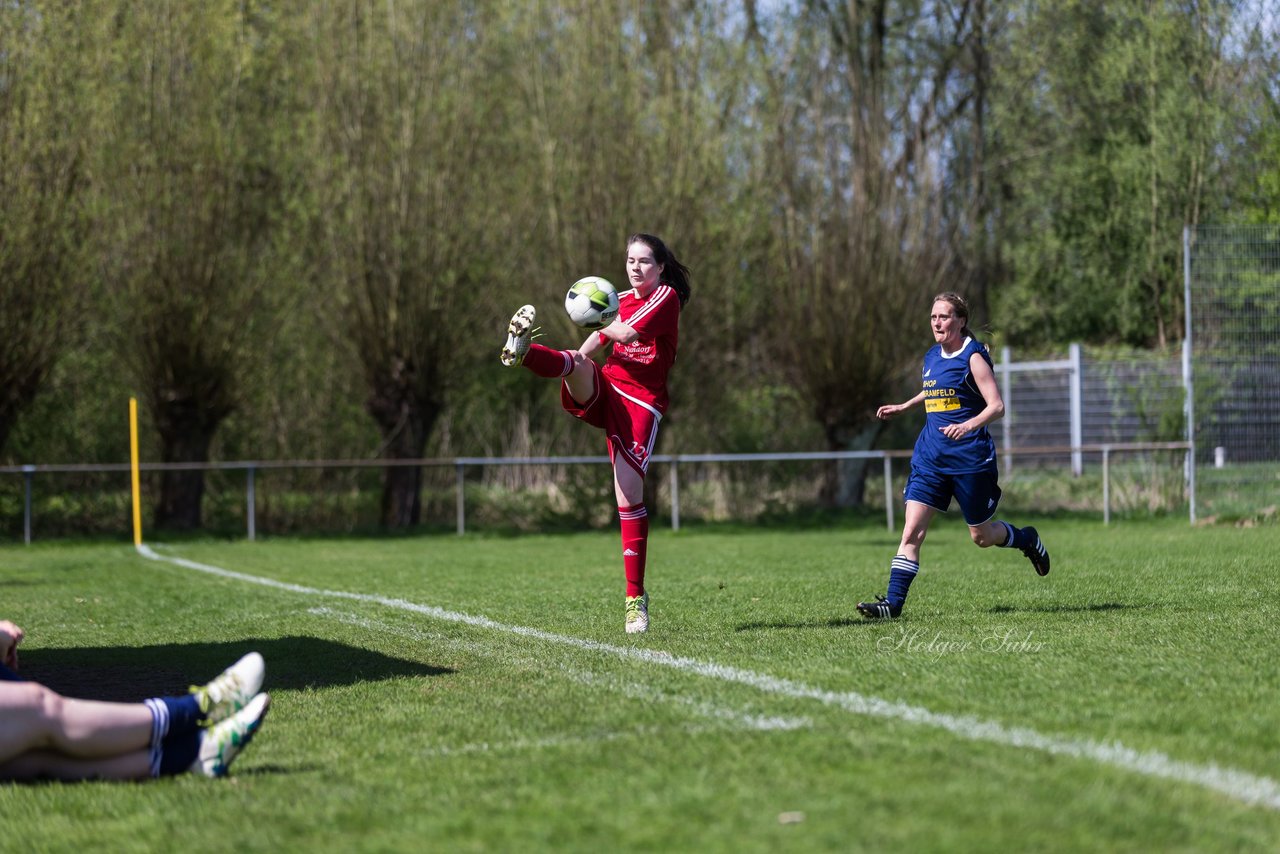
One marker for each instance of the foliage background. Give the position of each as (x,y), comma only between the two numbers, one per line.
(296,229)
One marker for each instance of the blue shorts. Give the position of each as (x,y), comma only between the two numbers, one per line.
(7,675)
(978,493)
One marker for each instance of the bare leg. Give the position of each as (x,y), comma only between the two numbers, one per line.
(628,484)
(32,717)
(913,530)
(989,534)
(581,381)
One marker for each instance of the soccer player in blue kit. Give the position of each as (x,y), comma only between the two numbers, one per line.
(955,456)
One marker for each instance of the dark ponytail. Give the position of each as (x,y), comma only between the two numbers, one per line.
(674,273)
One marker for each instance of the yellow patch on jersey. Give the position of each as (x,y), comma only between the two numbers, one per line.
(941,404)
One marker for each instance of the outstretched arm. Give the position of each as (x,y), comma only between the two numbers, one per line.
(889,410)
(616,333)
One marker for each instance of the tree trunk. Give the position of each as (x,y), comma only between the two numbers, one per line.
(846,481)
(184,438)
(181,496)
(405,420)
(18,393)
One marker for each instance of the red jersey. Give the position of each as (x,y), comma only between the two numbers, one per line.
(640,369)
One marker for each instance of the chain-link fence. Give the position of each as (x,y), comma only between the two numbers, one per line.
(1085,400)
(1090,399)
(1233,329)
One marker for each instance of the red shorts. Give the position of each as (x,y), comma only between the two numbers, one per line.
(629,424)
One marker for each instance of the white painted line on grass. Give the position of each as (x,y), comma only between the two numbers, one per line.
(525,744)
(1238,785)
(733,718)
(457,644)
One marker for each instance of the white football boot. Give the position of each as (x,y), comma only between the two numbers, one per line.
(232,689)
(222,743)
(520,334)
(637,614)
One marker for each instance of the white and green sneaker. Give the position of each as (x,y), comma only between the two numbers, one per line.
(520,333)
(637,614)
(232,689)
(222,743)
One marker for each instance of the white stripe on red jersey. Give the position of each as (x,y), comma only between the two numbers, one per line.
(640,368)
(660,293)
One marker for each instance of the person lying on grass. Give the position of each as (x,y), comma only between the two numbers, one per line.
(44,735)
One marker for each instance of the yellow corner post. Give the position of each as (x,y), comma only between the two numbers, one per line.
(133,467)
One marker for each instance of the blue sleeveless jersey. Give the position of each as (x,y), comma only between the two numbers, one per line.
(952,397)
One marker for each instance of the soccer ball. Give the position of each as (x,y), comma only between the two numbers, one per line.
(592,303)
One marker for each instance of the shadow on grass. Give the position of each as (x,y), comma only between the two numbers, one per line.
(1065,609)
(846,622)
(833,623)
(129,674)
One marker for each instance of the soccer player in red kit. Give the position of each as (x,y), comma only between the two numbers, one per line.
(627,397)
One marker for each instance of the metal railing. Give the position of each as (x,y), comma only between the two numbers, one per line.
(461,464)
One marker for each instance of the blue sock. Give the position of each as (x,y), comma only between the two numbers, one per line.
(184,712)
(901,573)
(175,721)
(178,752)
(1018,538)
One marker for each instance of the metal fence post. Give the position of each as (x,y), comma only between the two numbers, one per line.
(462,509)
(250,502)
(888,490)
(675,494)
(1106,485)
(1188,380)
(1077,417)
(1190,465)
(1006,423)
(28,472)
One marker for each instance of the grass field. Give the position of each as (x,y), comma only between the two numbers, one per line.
(478,693)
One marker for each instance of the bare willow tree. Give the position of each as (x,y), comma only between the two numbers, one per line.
(45,90)
(195,191)
(406,161)
(631,110)
(858,99)
(693,143)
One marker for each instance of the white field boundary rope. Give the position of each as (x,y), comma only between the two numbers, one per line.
(1238,785)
